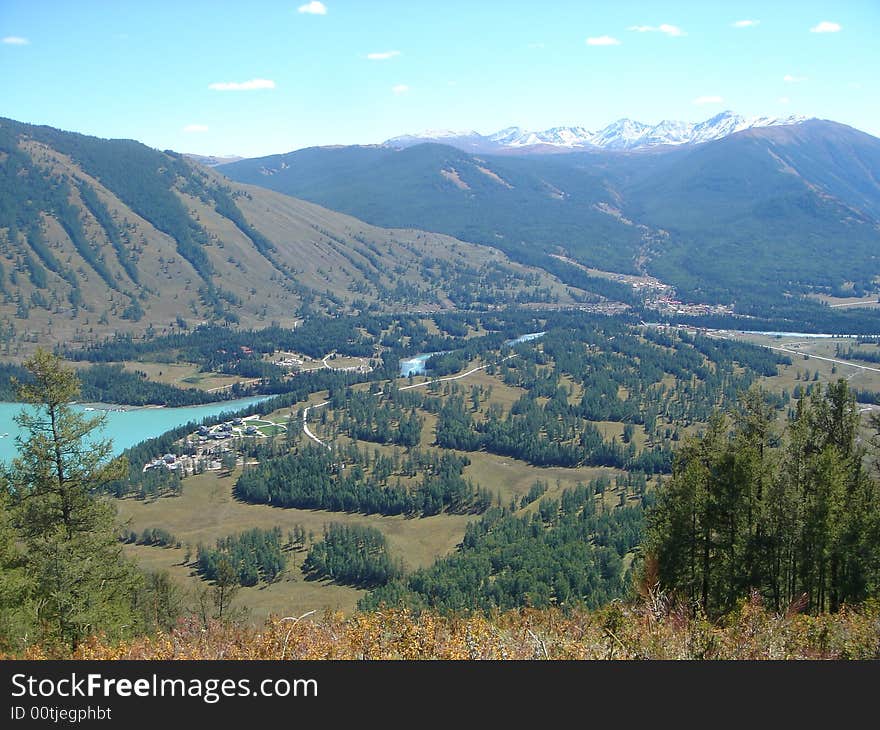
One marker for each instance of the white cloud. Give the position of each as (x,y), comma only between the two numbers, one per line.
(195,128)
(603,40)
(789,79)
(700,100)
(313,8)
(400,89)
(242,85)
(14,40)
(670,30)
(383,56)
(784,100)
(745,23)
(826,27)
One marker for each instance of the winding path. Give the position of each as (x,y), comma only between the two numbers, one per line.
(307,431)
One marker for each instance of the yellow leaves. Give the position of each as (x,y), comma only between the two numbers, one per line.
(619,631)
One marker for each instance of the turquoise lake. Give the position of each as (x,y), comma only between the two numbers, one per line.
(126,428)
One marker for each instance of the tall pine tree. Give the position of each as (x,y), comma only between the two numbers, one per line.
(80,582)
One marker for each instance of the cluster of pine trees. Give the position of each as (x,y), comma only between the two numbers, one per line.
(548,434)
(568,552)
(105,383)
(791,513)
(212,346)
(313,477)
(352,554)
(367,418)
(253,556)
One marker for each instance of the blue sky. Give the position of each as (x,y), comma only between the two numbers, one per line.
(261,77)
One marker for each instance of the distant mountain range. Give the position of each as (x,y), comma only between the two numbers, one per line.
(100,236)
(757,218)
(624,134)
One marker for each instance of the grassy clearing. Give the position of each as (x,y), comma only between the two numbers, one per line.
(868,301)
(207,511)
(183,375)
(512,478)
(292,595)
(341,362)
(792,375)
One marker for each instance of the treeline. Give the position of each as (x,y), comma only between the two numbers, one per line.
(213,346)
(8,371)
(867,396)
(794,516)
(569,552)
(313,477)
(154,536)
(399,336)
(492,284)
(574,275)
(352,555)
(772,313)
(113,384)
(250,557)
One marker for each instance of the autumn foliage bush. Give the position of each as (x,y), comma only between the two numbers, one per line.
(653,629)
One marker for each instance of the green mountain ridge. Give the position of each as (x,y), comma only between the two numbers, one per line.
(101,236)
(756,217)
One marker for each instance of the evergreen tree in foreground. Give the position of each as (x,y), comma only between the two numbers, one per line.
(78,582)
(793,516)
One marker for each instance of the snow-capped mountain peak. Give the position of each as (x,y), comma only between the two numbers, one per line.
(431,134)
(506,135)
(623,134)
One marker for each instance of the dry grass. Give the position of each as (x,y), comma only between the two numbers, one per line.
(207,510)
(513,478)
(183,375)
(649,630)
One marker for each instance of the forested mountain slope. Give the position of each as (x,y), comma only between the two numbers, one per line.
(98,236)
(750,219)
